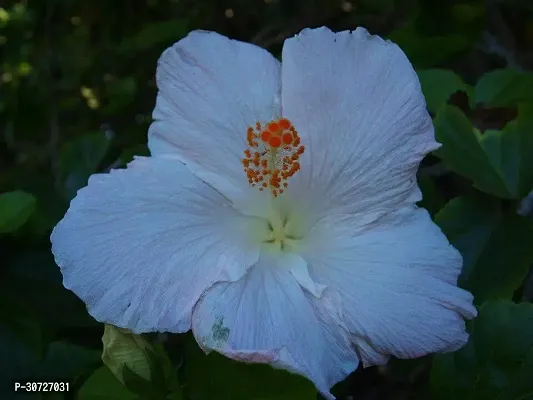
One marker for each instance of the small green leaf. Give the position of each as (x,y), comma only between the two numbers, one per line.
(497,362)
(15,209)
(123,348)
(142,367)
(504,87)
(216,377)
(496,244)
(438,85)
(103,385)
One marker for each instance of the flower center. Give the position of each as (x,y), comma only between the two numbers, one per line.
(272,155)
(280,235)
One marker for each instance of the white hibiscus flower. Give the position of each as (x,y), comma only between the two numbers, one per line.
(276,217)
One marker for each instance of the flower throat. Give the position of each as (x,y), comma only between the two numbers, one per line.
(272,156)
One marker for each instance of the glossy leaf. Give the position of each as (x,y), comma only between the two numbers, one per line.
(496,244)
(497,162)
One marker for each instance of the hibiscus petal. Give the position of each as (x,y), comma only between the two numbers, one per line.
(140,245)
(397,281)
(211,89)
(357,104)
(266,317)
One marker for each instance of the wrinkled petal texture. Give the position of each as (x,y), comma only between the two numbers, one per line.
(357,104)
(163,246)
(139,246)
(267,317)
(397,282)
(211,89)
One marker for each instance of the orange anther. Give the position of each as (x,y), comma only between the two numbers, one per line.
(275,141)
(265,135)
(284,123)
(272,155)
(287,138)
(273,127)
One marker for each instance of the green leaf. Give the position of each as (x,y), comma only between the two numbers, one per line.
(462,151)
(15,209)
(496,244)
(80,158)
(497,362)
(438,85)
(504,87)
(498,162)
(142,367)
(123,348)
(103,385)
(216,377)
(510,152)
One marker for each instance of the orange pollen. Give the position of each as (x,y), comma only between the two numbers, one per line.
(272,155)
(274,141)
(287,138)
